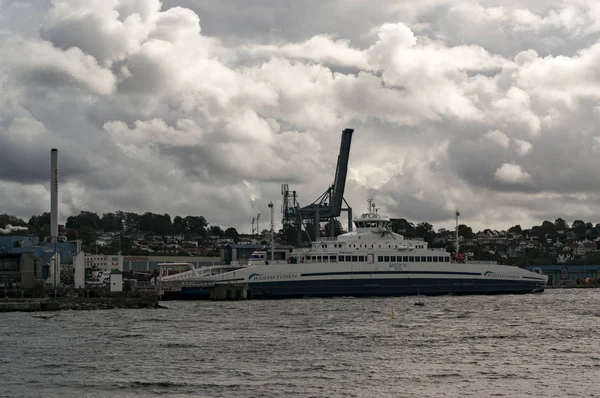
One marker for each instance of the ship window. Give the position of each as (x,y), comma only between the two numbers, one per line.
(319,258)
(341,259)
(361,258)
(386,259)
(348,258)
(332,259)
(429,258)
(393,259)
(325,259)
(435,259)
(441,259)
(446,259)
(379,259)
(411,259)
(325,246)
(423,259)
(314,258)
(417,259)
(354,258)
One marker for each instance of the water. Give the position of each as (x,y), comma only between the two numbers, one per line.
(530,345)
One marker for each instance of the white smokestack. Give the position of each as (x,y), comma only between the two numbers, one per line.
(54,195)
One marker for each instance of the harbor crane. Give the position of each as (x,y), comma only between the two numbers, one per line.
(326,207)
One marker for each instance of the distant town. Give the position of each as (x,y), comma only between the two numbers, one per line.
(153,234)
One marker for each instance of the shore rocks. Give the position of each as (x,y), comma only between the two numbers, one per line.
(78,303)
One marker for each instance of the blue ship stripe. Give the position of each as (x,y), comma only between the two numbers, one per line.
(390,273)
(534,278)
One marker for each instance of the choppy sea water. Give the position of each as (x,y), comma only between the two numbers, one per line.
(523,345)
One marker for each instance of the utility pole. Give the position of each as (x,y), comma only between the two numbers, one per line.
(456,245)
(272,237)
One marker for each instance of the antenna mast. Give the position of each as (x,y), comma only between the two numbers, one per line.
(272,239)
(456,232)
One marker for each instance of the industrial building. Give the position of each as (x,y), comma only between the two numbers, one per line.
(23,270)
(29,244)
(103,262)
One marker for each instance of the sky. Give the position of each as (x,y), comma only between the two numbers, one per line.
(205,107)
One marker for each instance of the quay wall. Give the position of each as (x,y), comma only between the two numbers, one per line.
(125,300)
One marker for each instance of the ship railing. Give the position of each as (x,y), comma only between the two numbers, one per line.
(176,285)
(325,239)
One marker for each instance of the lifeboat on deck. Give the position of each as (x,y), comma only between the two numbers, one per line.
(460,257)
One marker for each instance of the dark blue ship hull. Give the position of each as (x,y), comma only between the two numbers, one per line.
(373,288)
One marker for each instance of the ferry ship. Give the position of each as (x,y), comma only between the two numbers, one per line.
(374,261)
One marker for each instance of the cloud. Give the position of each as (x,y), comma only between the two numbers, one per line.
(52,67)
(498,137)
(523,147)
(511,174)
(207,107)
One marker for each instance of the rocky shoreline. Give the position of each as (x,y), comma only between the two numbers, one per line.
(107,304)
(78,304)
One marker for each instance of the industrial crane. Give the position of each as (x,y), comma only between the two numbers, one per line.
(326,207)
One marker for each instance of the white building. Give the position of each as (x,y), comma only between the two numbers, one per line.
(104,262)
(116,282)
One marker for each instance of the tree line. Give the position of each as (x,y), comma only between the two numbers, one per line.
(127,223)
(89,223)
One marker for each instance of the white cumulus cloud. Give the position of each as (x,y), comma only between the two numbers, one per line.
(510,173)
